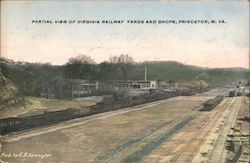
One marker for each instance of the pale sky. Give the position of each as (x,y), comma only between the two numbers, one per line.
(206,45)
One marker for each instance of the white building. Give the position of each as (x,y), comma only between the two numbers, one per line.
(135,84)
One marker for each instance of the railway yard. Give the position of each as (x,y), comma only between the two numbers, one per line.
(169,130)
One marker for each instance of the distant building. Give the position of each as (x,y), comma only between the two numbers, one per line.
(129,84)
(135,84)
(68,88)
(127,87)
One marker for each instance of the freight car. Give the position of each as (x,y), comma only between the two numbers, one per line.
(212,103)
(21,123)
(232,93)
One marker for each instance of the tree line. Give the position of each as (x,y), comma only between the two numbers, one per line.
(29,77)
(84,67)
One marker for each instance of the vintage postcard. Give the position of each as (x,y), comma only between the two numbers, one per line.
(124,81)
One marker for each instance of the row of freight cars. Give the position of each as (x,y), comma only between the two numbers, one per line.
(13,124)
(241,91)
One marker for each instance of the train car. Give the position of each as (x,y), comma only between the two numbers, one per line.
(232,93)
(10,124)
(212,103)
(21,123)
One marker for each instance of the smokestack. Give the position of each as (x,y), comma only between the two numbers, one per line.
(145,78)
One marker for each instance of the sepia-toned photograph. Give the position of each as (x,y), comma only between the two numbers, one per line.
(146,81)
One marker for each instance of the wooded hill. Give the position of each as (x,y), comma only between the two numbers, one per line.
(28,77)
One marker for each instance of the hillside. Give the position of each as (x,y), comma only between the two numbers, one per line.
(166,70)
(169,70)
(9,94)
(28,77)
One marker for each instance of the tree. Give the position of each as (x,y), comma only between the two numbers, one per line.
(200,84)
(122,62)
(80,67)
(106,71)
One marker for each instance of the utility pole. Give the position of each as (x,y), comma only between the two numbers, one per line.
(145,78)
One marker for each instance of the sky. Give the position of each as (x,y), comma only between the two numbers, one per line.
(206,45)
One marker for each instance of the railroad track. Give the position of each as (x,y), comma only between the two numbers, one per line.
(141,148)
(218,154)
(186,153)
(15,136)
(138,151)
(183,146)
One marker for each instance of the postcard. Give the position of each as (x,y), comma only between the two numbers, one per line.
(124,81)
